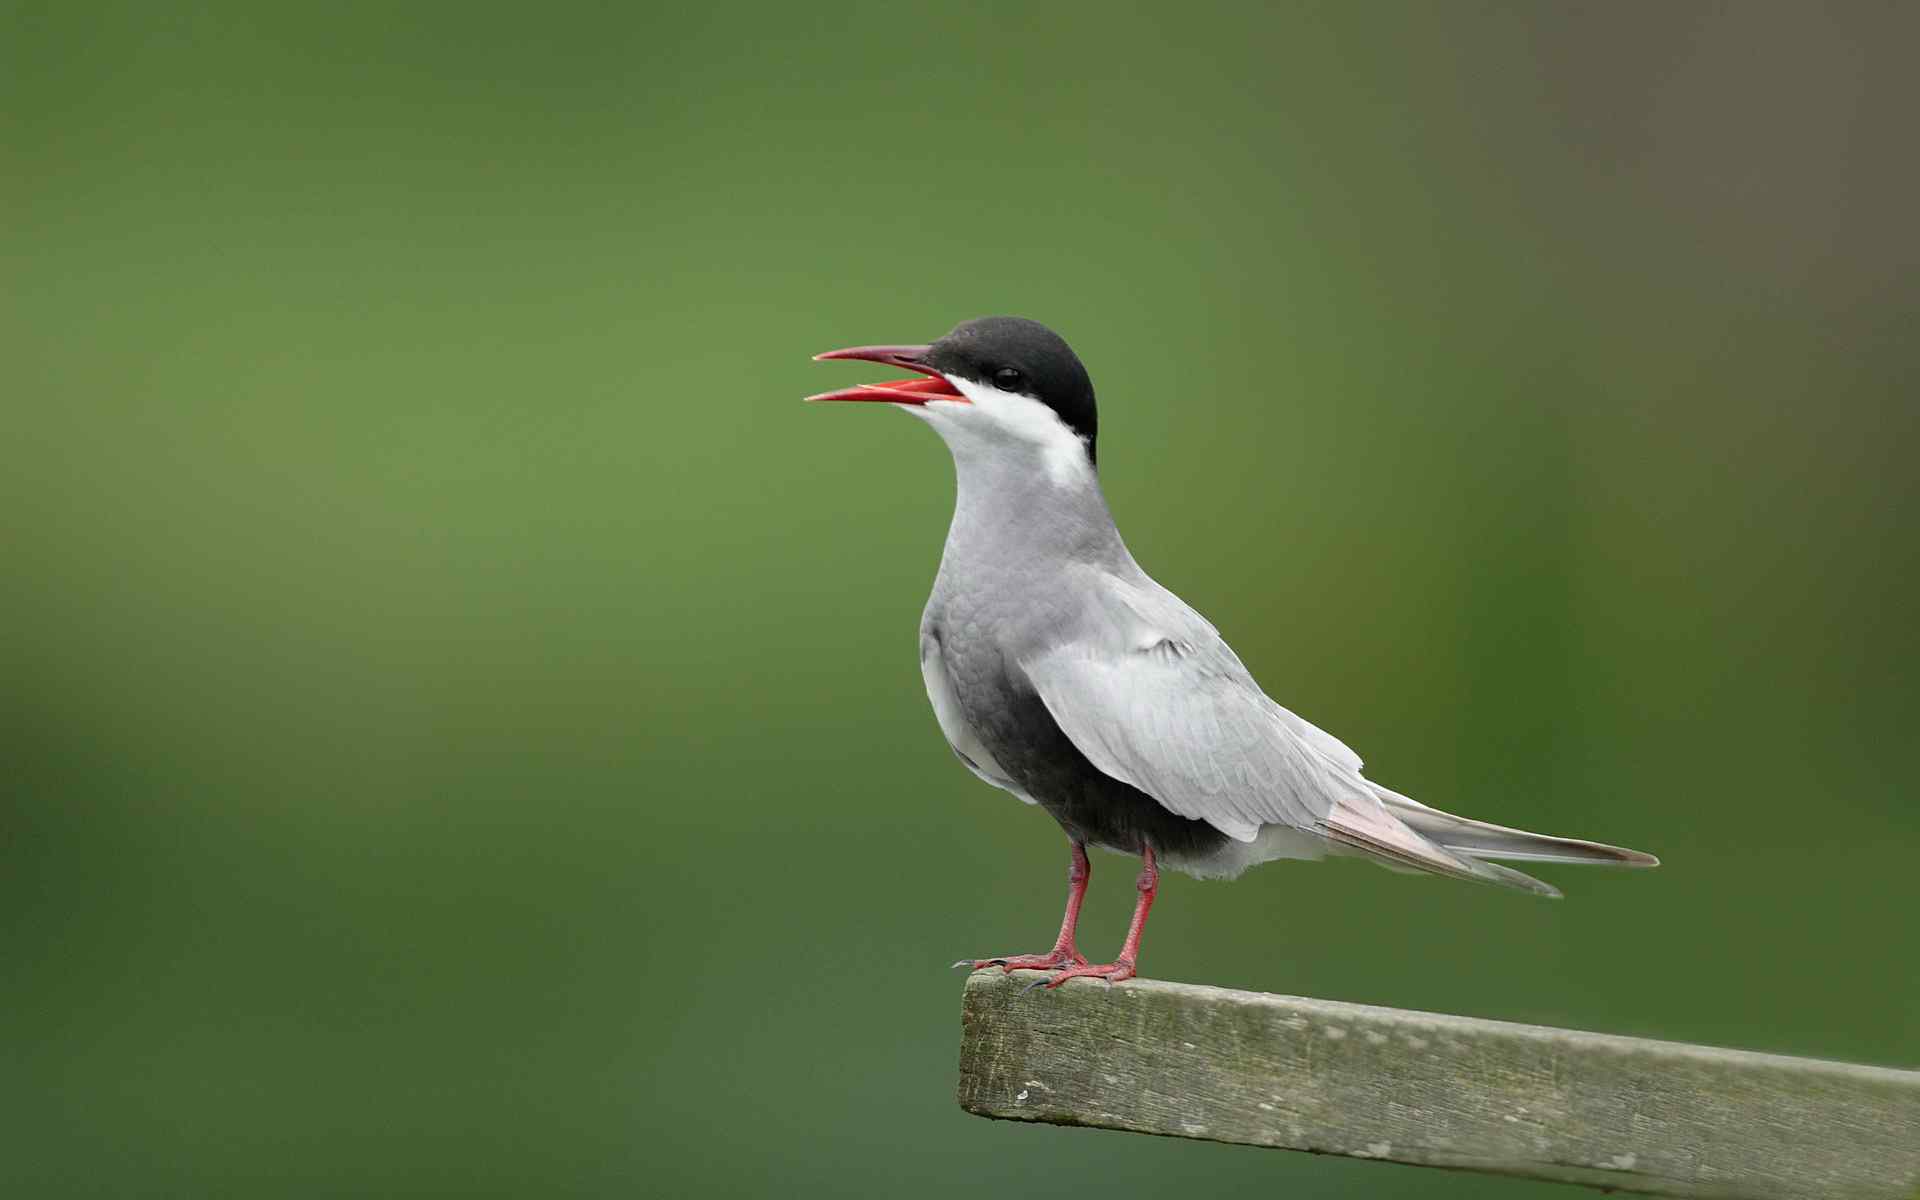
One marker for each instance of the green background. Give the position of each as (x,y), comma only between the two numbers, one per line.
(461,725)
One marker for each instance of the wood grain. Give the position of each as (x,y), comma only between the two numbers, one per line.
(1621,1113)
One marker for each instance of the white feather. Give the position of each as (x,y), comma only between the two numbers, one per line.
(993,422)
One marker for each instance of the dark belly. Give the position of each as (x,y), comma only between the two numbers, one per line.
(1090,805)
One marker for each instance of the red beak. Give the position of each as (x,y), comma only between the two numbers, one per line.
(900,391)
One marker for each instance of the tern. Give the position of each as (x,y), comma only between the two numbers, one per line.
(1060,672)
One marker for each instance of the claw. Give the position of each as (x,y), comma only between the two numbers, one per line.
(1008,964)
(1112,973)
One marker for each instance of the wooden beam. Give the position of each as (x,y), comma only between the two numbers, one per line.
(1621,1113)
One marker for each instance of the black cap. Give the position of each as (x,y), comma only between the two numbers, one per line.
(1016,355)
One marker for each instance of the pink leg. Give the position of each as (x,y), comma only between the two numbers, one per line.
(1063,953)
(1122,967)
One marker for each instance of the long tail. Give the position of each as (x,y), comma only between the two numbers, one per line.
(1483,839)
(1406,834)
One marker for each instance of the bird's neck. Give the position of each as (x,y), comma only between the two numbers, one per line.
(1037,509)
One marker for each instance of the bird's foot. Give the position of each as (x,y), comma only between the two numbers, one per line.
(1112,972)
(1049,961)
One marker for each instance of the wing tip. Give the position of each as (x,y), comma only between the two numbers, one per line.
(1509,877)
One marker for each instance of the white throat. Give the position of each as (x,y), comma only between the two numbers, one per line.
(999,430)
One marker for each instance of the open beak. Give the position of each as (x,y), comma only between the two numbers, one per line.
(899,391)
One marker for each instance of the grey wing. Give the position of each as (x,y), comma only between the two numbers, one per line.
(1186,731)
(1153,697)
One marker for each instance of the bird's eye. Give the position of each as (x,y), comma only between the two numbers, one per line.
(1007,379)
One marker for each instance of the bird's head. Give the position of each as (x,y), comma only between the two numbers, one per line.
(994,385)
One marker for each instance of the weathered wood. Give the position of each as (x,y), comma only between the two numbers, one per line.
(1610,1112)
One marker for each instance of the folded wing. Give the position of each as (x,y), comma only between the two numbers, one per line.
(1159,701)
(1202,743)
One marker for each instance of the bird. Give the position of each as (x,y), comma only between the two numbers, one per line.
(1061,672)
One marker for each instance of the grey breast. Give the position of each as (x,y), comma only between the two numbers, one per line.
(985,623)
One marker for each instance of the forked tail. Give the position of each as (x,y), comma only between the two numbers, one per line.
(1406,833)
(1483,839)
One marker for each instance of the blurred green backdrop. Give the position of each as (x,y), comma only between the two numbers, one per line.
(461,726)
